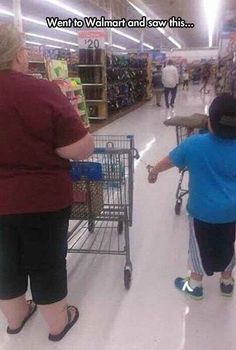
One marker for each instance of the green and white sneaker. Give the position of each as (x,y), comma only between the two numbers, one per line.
(183,284)
(227,289)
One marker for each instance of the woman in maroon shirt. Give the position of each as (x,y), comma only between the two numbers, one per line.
(39,132)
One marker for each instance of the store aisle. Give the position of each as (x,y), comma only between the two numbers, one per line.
(152,315)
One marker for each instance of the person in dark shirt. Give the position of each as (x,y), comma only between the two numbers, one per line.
(39,132)
(206,74)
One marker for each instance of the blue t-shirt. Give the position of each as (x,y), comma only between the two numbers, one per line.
(211,162)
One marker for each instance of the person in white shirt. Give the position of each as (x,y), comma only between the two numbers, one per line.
(170,80)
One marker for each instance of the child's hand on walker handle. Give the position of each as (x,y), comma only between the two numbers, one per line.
(163,165)
(152,175)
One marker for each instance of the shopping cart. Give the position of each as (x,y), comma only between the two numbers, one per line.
(103,200)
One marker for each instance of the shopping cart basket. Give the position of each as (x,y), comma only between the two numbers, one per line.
(103,200)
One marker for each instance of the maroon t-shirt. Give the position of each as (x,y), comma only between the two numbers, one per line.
(35,119)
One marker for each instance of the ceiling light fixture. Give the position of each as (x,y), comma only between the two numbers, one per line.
(78,13)
(50,38)
(65,7)
(33,43)
(125,35)
(162,31)
(174,42)
(117,46)
(149,46)
(137,9)
(212,10)
(53,46)
(41,23)
(7,13)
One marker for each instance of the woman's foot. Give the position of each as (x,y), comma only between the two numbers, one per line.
(73,316)
(32,307)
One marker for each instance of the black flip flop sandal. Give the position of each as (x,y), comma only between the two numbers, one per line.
(32,309)
(69,325)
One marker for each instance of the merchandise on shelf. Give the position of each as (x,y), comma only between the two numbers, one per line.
(72,88)
(226,76)
(127,81)
(57,71)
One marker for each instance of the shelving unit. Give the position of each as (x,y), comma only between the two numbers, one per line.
(92,71)
(127,81)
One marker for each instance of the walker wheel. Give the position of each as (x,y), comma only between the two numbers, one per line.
(178,206)
(127,278)
(91,226)
(120,227)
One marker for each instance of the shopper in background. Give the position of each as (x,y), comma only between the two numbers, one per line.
(185,79)
(39,132)
(211,161)
(170,80)
(157,85)
(206,73)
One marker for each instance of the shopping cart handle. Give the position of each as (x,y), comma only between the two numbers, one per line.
(136,153)
(100,150)
(111,150)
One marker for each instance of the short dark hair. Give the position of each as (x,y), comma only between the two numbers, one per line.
(170,63)
(222,115)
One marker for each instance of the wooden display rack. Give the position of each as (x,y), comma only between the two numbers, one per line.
(92,71)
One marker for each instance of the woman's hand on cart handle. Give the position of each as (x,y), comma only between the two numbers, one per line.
(152,174)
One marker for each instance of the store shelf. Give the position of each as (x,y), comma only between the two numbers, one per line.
(79,88)
(97,118)
(89,65)
(37,62)
(96,101)
(93,84)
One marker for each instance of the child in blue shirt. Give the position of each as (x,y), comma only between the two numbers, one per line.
(211,161)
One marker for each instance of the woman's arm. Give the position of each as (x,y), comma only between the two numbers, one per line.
(79,150)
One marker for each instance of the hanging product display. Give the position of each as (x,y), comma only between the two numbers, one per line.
(127,81)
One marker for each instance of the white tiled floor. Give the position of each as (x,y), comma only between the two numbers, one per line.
(152,315)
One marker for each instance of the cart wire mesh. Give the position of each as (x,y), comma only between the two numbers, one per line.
(102,221)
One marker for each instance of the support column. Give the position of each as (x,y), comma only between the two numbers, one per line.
(18,16)
(142,41)
(110,34)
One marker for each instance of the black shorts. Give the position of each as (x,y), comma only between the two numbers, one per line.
(211,247)
(34,246)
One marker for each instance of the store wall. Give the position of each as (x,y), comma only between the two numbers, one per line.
(193,55)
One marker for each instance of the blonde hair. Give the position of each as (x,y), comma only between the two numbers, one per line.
(11,41)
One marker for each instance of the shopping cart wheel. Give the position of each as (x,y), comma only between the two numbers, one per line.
(91,226)
(178,206)
(120,227)
(127,277)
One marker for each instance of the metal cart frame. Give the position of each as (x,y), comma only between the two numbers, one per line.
(102,233)
(182,133)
